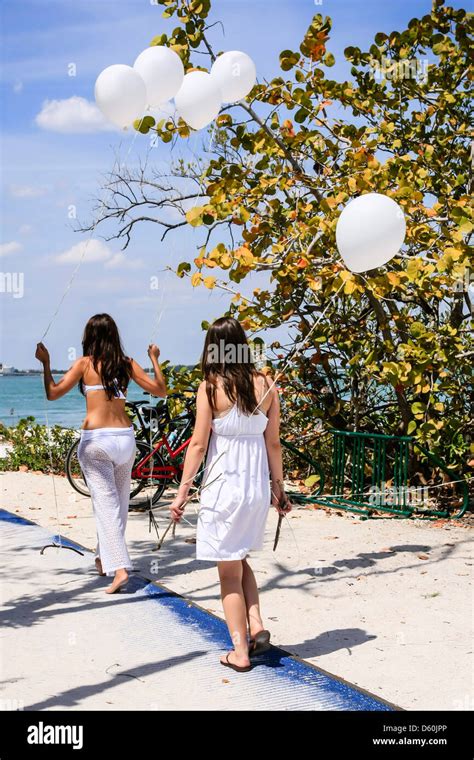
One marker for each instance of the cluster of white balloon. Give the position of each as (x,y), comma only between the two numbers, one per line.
(124,93)
(371,228)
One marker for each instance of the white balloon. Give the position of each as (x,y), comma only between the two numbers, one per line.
(370,231)
(162,71)
(120,93)
(198,100)
(235,73)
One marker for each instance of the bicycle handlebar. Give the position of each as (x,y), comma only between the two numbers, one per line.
(137,404)
(176,394)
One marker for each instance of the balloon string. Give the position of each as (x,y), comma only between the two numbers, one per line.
(87,242)
(51,465)
(299,347)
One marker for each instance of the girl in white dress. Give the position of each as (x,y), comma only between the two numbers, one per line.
(237,423)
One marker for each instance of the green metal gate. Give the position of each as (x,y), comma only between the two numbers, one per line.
(363,464)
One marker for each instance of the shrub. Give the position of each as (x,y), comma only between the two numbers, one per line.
(30,447)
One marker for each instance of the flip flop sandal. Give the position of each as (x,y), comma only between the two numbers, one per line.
(259,644)
(237,668)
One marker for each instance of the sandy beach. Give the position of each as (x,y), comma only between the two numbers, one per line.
(385,604)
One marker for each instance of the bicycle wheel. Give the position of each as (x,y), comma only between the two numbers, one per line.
(74,472)
(147,490)
(142,490)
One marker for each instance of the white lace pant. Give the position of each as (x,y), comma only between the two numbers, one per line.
(106,456)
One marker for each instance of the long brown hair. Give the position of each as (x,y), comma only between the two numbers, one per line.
(101,342)
(227,355)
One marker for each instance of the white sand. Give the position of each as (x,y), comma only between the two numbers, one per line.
(386,604)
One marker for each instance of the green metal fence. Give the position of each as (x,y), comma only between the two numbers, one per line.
(362,466)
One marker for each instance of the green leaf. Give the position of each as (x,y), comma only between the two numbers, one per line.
(418,408)
(183,267)
(288,59)
(144,125)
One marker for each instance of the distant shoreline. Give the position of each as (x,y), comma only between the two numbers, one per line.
(30,372)
(36,372)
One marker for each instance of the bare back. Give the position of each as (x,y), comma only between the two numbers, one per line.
(262,394)
(100,410)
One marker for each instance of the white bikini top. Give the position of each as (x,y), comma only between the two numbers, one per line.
(118,393)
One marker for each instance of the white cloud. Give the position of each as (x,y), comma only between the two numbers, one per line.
(74,115)
(93,251)
(7,248)
(27,191)
(17,87)
(25,229)
(87,250)
(123,261)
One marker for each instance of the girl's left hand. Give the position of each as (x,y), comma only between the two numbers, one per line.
(153,351)
(177,508)
(42,353)
(280,500)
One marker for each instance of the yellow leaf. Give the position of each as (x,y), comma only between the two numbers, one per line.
(315,283)
(194,215)
(209,282)
(196,279)
(217,252)
(412,270)
(393,278)
(345,275)
(226,260)
(244,255)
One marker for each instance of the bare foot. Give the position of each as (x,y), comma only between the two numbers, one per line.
(98,566)
(241,660)
(120,579)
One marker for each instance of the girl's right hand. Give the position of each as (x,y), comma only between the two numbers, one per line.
(153,351)
(177,508)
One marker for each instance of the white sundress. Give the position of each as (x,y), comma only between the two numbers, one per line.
(235,496)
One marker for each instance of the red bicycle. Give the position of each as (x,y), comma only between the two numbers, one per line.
(160,462)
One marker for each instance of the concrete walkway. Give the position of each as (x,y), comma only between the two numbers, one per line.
(66,644)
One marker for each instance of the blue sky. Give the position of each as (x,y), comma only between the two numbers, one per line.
(47,172)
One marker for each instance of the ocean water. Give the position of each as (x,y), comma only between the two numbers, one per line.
(23,396)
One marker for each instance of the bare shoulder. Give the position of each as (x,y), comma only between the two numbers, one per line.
(265,392)
(202,399)
(202,390)
(267,382)
(82,364)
